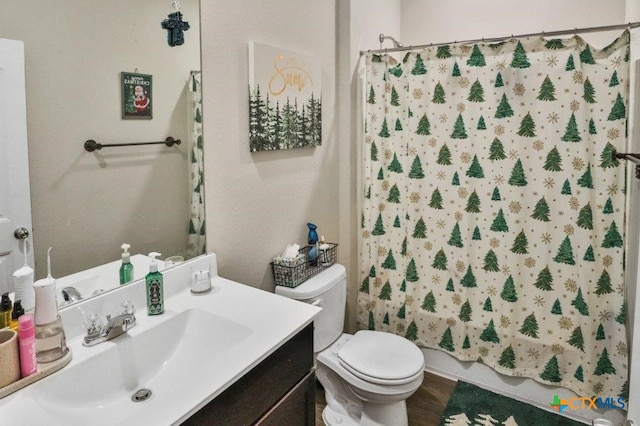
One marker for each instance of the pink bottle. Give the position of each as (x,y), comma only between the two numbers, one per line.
(27,339)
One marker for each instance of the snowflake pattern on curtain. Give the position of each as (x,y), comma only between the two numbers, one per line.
(493,207)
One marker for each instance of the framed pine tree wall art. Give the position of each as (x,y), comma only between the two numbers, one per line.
(285,99)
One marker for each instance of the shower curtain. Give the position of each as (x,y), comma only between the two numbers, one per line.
(493,209)
(196,235)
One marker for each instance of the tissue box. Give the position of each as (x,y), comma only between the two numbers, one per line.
(293,272)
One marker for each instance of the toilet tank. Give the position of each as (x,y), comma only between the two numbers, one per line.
(328,290)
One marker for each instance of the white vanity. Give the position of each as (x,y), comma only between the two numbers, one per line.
(235,355)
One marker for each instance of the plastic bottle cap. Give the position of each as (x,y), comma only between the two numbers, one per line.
(5,302)
(18,310)
(125,253)
(153,267)
(26,324)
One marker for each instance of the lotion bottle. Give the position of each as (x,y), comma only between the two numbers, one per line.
(126,269)
(154,287)
(51,343)
(27,342)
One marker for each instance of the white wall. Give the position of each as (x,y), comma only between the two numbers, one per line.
(434,21)
(359,24)
(258,203)
(86,205)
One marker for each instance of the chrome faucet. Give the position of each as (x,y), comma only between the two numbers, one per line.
(71,294)
(97,332)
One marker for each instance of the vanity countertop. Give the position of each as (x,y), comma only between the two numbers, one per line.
(259,322)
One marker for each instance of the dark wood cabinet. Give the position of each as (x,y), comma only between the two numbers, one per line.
(278,391)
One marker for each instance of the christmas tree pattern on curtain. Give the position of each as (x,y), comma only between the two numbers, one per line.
(494,210)
(196,233)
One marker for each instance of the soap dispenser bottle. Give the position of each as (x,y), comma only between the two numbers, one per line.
(5,310)
(51,343)
(126,269)
(154,286)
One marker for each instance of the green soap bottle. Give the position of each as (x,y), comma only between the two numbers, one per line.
(155,293)
(126,269)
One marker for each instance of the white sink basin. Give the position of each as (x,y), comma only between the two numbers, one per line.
(164,358)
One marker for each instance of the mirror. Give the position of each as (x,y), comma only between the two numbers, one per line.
(87,204)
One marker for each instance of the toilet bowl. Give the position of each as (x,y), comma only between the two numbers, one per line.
(366,376)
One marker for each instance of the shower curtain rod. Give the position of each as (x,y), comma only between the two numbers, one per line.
(630,25)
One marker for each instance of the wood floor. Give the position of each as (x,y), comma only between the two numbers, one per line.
(424,407)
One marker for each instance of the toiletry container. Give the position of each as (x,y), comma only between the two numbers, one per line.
(9,359)
(312,239)
(16,313)
(5,311)
(51,343)
(27,341)
(126,269)
(154,287)
(23,281)
(323,248)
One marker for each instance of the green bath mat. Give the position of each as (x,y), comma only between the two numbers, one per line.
(471,405)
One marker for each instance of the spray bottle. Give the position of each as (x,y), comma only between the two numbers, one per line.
(126,269)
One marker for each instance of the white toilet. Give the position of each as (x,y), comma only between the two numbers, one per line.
(366,376)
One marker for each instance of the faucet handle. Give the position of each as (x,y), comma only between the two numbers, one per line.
(93,324)
(127,308)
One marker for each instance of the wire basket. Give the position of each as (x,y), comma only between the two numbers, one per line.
(293,272)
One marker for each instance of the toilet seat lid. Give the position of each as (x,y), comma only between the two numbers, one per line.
(383,358)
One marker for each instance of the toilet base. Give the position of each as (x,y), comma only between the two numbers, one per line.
(348,406)
(372,415)
(332,418)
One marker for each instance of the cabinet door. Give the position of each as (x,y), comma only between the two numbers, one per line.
(254,394)
(297,408)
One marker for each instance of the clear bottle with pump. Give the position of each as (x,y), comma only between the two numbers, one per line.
(126,269)
(154,286)
(5,310)
(51,343)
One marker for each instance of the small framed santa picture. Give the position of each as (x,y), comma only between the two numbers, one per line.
(136,96)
